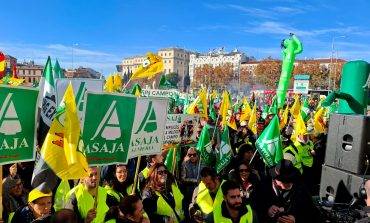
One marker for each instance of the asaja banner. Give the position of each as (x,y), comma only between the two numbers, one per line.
(181,128)
(119,127)
(18,113)
(159,93)
(80,86)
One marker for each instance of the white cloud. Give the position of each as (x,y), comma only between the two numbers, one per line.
(100,61)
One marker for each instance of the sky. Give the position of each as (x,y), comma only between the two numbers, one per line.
(99,34)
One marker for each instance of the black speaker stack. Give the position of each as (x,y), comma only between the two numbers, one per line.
(347,153)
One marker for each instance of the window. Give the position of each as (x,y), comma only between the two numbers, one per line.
(169,70)
(165,54)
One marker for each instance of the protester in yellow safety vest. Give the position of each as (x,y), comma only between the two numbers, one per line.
(81,199)
(144,174)
(206,195)
(118,185)
(39,207)
(132,210)
(300,152)
(162,198)
(232,209)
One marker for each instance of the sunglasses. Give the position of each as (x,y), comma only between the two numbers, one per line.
(161,172)
(192,154)
(243,170)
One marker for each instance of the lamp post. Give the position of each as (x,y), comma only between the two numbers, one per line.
(331,60)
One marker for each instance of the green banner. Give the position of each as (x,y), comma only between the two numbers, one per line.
(18,113)
(119,127)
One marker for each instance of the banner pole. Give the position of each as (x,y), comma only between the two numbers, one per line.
(97,188)
(136,175)
(1,194)
(174,159)
(255,152)
(124,87)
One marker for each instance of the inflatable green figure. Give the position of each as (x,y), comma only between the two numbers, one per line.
(354,89)
(290,48)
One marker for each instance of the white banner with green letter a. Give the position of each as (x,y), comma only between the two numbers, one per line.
(118,127)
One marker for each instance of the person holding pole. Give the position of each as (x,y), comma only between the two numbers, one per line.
(144,174)
(88,199)
(162,198)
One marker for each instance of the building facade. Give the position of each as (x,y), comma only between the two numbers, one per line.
(30,72)
(82,72)
(215,58)
(175,60)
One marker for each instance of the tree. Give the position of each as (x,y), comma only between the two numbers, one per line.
(214,77)
(246,77)
(173,78)
(268,73)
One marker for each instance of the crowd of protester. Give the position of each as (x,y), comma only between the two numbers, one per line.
(245,191)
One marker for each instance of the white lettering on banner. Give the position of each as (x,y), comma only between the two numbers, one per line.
(13,144)
(104,148)
(159,93)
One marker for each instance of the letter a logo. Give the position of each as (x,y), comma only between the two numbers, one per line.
(149,122)
(9,123)
(109,126)
(80,96)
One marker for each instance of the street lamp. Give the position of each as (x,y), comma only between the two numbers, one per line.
(331,60)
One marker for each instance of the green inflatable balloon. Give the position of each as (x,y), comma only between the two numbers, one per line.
(290,48)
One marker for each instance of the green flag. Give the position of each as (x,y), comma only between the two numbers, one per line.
(225,154)
(212,111)
(269,143)
(165,84)
(58,72)
(264,111)
(273,108)
(305,110)
(136,90)
(204,145)
(169,158)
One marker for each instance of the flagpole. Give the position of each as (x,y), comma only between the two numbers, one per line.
(97,188)
(136,175)
(174,160)
(1,194)
(255,152)
(124,87)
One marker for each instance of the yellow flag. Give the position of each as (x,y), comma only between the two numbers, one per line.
(203,105)
(299,127)
(191,108)
(117,82)
(296,107)
(225,106)
(284,118)
(232,122)
(213,95)
(16,81)
(252,123)
(109,84)
(318,124)
(152,66)
(246,111)
(63,149)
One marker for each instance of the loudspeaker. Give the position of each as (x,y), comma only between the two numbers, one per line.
(348,144)
(334,180)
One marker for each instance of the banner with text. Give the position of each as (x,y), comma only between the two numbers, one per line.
(80,86)
(18,114)
(181,128)
(159,93)
(122,127)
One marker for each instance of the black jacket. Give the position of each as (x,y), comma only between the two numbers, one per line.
(296,202)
